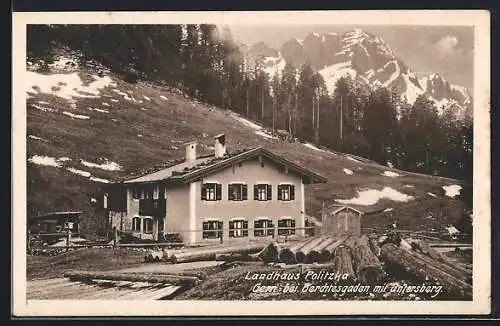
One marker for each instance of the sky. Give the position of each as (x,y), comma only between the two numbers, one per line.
(447,50)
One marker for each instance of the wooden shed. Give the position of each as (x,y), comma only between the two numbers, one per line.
(342,220)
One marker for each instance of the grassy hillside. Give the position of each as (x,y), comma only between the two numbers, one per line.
(118,128)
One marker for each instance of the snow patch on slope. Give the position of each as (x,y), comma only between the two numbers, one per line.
(38,138)
(391,174)
(452,190)
(246,122)
(67,86)
(333,73)
(372,196)
(79,172)
(394,74)
(265,135)
(47,160)
(347,171)
(76,116)
(311,146)
(107,165)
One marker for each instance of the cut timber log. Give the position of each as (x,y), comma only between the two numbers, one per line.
(154,256)
(367,266)
(342,261)
(374,246)
(314,254)
(424,248)
(163,278)
(425,268)
(287,255)
(301,254)
(236,257)
(210,253)
(269,253)
(327,253)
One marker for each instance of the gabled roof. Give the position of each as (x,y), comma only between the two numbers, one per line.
(338,208)
(187,172)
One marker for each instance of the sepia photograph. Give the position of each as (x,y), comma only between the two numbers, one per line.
(316,162)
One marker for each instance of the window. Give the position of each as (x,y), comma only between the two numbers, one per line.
(286,226)
(237,191)
(136,224)
(286,192)
(212,229)
(262,191)
(147,225)
(211,191)
(136,193)
(263,228)
(238,228)
(148,193)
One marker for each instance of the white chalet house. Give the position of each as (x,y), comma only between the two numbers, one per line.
(245,194)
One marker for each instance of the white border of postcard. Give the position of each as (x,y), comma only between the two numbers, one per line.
(480,304)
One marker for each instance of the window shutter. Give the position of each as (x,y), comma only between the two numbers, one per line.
(203,191)
(230,195)
(270,227)
(219,192)
(280,197)
(231,229)
(205,227)
(256,225)
(292,192)
(245,228)
(269,192)
(244,192)
(219,226)
(255,192)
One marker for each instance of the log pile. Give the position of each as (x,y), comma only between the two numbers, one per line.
(453,279)
(287,255)
(363,258)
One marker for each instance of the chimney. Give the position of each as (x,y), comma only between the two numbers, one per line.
(191,152)
(220,145)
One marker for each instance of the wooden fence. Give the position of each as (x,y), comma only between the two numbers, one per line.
(114,241)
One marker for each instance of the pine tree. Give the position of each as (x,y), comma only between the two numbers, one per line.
(288,87)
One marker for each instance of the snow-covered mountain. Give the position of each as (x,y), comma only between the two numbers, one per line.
(368,59)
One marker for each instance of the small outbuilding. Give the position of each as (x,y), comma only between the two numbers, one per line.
(342,220)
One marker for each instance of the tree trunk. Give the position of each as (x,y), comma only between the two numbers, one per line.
(269,253)
(236,257)
(205,254)
(425,269)
(248,103)
(262,104)
(132,277)
(342,261)
(367,266)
